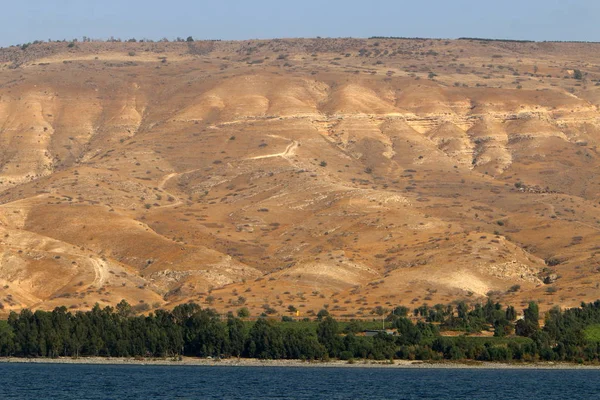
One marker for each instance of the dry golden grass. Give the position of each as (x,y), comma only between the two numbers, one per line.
(342,173)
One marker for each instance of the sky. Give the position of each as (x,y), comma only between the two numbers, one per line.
(29,20)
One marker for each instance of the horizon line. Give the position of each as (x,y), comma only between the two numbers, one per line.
(178,39)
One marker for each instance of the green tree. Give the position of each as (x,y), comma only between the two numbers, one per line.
(265,340)
(381,312)
(124,309)
(237,336)
(510,314)
(6,339)
(530,324)
(243,312)
(327,334)
(400,311)
(532,314)
(322,314)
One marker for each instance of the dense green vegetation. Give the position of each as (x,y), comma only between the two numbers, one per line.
(569,335)
(592,333)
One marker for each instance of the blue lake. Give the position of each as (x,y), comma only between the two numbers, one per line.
(64,381)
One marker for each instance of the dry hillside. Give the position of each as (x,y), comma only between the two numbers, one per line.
(343,173)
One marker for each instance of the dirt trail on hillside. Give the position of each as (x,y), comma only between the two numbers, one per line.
(289,151)
(165,180)
(100,271)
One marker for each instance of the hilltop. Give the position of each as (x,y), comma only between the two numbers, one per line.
(295,174)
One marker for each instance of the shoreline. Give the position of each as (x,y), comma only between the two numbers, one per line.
(250,362)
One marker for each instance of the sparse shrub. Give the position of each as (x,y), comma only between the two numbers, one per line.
(552,261)
(140,308)
(243,312)
(269,310)
(514,288)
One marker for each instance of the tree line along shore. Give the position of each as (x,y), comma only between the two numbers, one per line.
(571,335)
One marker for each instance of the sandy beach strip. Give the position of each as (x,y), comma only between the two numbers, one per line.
(249,362)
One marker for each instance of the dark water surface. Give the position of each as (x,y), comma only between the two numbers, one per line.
(64,381)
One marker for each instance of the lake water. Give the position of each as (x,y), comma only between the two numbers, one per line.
(63,381)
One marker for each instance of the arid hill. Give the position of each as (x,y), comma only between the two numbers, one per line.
(298,174)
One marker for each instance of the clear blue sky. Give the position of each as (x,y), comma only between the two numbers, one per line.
(28,20)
